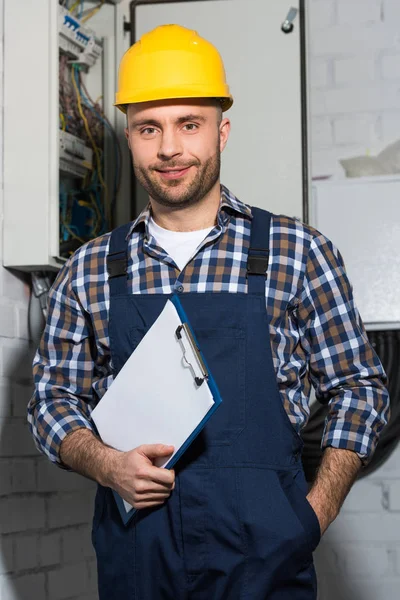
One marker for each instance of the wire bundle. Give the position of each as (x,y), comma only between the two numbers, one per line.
(86,209)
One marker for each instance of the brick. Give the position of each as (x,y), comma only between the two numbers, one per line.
(50,549)
(357,13)
(393,488)
(319,75)
(365,527)
(15,438)
(5,399)
(21,514)
(70,509)
(354,40)
(318,103)
(365,496)
(53,479)
(364,559)
(21,394)
(30,586)
(390,121)
(339,586)
(391,11)
(26,552)
(24,475)
(14,285)
(16,360)
(76,544)
(321,15)
(321,132)
(354,130)
(6,554)
(92,570)
(390,469)
(391,66)
(361,99)
(353,70)
(326,558)
(8,324)
(22,330)
(5,477)
(67,582)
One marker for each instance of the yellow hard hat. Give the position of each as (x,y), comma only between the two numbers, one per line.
(171,62)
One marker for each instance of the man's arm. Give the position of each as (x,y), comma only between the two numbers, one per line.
(345,372)
(63,369)
(335,476)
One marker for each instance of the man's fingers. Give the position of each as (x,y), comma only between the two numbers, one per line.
(164,477)
(153,488)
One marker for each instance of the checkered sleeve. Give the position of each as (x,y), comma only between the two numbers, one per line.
(62,370)
(344,368)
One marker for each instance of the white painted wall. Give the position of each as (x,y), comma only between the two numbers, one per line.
(45,514)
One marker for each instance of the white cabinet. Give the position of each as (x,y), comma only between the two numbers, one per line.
(362,218)
(31,123)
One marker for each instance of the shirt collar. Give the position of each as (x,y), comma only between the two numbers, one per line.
(228,203)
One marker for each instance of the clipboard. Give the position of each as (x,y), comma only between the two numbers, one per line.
(177,404)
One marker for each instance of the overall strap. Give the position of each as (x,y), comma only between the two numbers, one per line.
(117,260)
(257,262)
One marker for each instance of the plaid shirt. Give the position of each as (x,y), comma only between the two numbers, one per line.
(315,331)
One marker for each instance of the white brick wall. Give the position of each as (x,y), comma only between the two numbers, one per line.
(45,514)
(354,79)
(359,556)
(355,108)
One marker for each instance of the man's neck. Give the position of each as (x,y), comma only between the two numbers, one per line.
(192,218)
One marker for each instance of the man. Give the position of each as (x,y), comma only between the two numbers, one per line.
(234,519)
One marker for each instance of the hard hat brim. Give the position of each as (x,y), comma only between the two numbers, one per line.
(123,103)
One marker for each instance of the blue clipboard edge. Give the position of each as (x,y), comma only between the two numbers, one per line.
(127,516)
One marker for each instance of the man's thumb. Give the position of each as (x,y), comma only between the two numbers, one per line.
(155,450)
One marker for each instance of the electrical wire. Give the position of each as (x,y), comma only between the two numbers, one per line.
(63,123)
(95,148)
(73,7)
(71,233)
(104,119)
(92,12)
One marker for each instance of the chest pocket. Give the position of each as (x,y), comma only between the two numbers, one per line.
(224,351)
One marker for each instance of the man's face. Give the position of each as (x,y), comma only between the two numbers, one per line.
(176,148)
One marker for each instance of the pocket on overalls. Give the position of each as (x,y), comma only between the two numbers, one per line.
(295,488)
(224,351)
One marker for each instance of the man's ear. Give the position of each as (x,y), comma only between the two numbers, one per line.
(224,130)
(126,131)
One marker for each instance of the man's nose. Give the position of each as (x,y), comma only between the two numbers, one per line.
(170,146)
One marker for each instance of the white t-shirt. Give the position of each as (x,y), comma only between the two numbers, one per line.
(179,245)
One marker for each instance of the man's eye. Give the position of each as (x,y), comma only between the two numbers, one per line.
(148,130)
(190,126)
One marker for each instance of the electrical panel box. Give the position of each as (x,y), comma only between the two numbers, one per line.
(59,127)
(362,218)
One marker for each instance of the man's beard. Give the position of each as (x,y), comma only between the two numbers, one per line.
(206,176)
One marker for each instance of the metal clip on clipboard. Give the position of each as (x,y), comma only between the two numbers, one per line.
(186,340)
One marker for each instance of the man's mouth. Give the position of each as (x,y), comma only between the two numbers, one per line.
(174,173)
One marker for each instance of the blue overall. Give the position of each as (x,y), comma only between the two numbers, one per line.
(238,524)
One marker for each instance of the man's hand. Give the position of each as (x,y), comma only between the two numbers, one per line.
(132,474)
(336,475)
(137,480)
